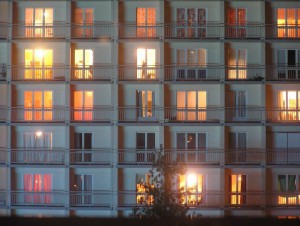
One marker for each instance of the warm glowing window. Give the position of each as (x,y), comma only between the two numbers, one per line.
(83,105)
(145,103)
(38,63)
(145,18)
(38,139)
(84,59)
(193,186)
(38,105)
(143,184)
(146,63)
(36,187)
(191,105)
(39,22)
(289,102)
(236,22)
(145,147)
(237,188)
(288,184)
(237,62)
(288,20)
(84,19)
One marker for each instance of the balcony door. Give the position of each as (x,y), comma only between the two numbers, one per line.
(84,20)
(145,104)
(288,186)
(38,105)
(39,22)
(38,63)
(193,186)
(237,189)
(236,23)
(146,63)
(289,105)
(145,19)
(84,60)
(287,61)
(145,147)
(237,147)
(83,105)
(83,187)
(288,20)
(237,63)
(83,147)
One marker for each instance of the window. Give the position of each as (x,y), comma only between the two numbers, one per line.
(143,184)
(288,184)
(84,19)
(191,22)
(237,189)
(237,147)
(83,147)
(288,19)
(191,105)
(145,104)
(145,18)
(39,22)
(191,63)
(193,186)
(289,103)
(37,188)
(236,22)
(237,62)
(84,59)
(287,61)
(83,186)
(145,145)
(38,105)
(83,105)
(191,147)
(38,63)
(146,64)
(236,101)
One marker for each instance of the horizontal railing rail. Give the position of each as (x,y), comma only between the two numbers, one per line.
(137,156)
(244,113)
(139,73)
(93,114)
(90,198)
(282,72)
(288,156)
(248,156)
(139,114)
(98,156)
(92,72)
(139,30)
(93,30)
(247,72)
(281,115)
(281,31)
(38,198)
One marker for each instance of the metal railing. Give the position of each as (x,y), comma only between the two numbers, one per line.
(247,72)
(139,114)
(92,72)
(38,114)
(94,30)
(248,156)
(38,198)
(55,156)
(282,72)
(280,115)
(139,73)
(136,156)
(55,30)
(94,156)
(241,31)
(90,198)
(288,156)
(92,114)
(282,31)
(244,114)
(133,30)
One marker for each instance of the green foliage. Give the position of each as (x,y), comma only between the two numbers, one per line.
(160,199)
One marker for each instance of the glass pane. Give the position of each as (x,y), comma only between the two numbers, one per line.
(191,57)
(87,141)
(201,57)
(191,141)
(291,182)
(78,99)
(140,141)
(282,183)
(151,140)
(181,141)
(88,99)
(48,16)
(78,141)
(201,140)
(180,57)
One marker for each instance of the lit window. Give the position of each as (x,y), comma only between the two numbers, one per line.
(84,59)
(83,105)
(237,62)
(143,185)
(146,64)
(39,22)
(237,188)
(236,22)
(145,18)
(84,19)
(288,184)
(288,103)
(288,20)
(192,185)
(145,104)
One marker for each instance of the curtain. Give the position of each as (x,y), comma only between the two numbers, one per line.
(282,183)
(28,187)
(291,183)
(47,188)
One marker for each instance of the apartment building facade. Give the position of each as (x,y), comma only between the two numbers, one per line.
(92,89)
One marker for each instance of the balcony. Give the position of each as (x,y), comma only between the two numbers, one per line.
(283,199)
(247,156)
(193,73)
(247,72)
(244,114)
(3,30)
(2,155)
(95,156)
(38,114)
(132,30)
(139,73)
(136,156)
(3,198)
(3,111)
(245,31)
(283,73)
(94,72)
(275,31)
(3,72)
(281,115)
(38,156)
(45,73)
(132,114)
(90,199)
(93,114)
(245,199)
(282,156)
(55,30)
(94,30)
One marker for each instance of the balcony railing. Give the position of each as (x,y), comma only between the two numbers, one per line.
(3,30)
(92,114)
(94,30)
(133,30)
(239,31)
(245,157)
(55,30)
(3,198)
(288,156)
(283,73)
(91,156)
(38,114)
(139,114)
(38,198)
(55,156)
(247,72)
(280,115)
(136,156)
(90,198)
(193,73)
(139,73)
(28,73)
(93,72)
(282,31)
(244,114)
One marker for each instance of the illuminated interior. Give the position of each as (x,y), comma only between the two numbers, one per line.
(38,105)
(146,63)
(38,63)
(236,62)
(191,105)
(84,59)
(39,22)
(145,18)
(142,183)
(289,101)
(192,185)
(288,184)
(34,183)
(237,186)
(145,103)
(287,21)
(84,18)
(83,105)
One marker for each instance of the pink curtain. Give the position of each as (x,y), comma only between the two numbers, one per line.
(47,188)
(37,187)
(28,187)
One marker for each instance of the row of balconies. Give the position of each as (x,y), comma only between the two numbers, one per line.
(102,156)
(129,199)
(172,30)
(163,115)
(172,73)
